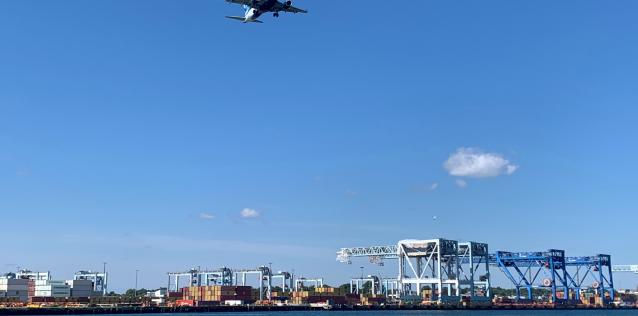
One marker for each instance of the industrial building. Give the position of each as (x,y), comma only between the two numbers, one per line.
(25,285)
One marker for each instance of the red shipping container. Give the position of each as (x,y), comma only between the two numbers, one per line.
(185,303)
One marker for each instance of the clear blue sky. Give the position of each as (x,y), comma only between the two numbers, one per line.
(136,131)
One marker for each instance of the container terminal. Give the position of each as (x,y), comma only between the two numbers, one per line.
(432,274)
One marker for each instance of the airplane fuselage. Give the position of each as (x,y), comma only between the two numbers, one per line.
(256,8)
(252,14)
(259,7)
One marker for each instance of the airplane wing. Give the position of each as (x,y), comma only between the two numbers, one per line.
(283,7)
(242,2)
(287,8)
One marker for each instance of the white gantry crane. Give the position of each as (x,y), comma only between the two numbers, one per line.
(633,268)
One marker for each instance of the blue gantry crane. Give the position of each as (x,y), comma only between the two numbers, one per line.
(549,269)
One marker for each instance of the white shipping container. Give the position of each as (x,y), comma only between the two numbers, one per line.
(233,302)
(53,292)
(4,281)
(12,287)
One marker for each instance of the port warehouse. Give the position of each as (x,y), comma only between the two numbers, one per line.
(438,272)
(27,286)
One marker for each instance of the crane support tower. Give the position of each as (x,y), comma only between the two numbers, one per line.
(591,273)
(300,283)
(228,276)
(464,265)
(264,278)
(357,285)
(433,263)
(197,277)
(474,267)
(100,280)
(531,270)
(286,279)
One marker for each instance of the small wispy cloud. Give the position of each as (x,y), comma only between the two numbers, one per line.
(461,183)
(206,216)
(351,193)
(475,163)
(434,186)
(249,213)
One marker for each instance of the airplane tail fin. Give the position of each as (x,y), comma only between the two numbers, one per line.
(242,19)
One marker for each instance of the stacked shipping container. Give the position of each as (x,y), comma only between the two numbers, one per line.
(320,295)
(81,288)
(217,293)
(14,288)
(50,288)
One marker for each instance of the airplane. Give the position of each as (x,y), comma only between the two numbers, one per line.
(255,8)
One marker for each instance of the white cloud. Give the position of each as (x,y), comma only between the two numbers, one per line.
(249,213)
(461,183)
(206,216)
(475,163)
(511,169)
(434,186)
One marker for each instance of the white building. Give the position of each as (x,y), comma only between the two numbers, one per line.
(28,274)
(158,296)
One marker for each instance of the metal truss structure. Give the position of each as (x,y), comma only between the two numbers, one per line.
(196,277)
(376,253)
(300,283)
(286,280)
(264,277)
(464,265)
(474,267)
(357,285)
(227,276)
(100,280)
(530,270)
(432,263)
(390,287)
(28,274)
(591,273)
(633,268)
(526,270)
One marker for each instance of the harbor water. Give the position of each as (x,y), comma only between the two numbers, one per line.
(427,313)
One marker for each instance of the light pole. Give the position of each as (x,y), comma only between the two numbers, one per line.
(360,290)
(135,294)
(104,290)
